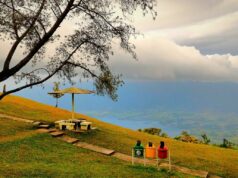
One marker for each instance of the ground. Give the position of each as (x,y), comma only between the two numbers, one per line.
(26,153)
(220,161)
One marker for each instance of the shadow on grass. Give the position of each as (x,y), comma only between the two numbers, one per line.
(152,170)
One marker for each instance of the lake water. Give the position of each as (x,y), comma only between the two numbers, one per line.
(135,124)
(171,106)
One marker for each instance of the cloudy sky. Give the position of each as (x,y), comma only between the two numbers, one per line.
(189,40)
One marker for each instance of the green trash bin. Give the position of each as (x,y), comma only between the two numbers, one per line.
(138,149)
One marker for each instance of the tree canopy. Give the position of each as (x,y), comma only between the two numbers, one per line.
(56,95)
(31,26)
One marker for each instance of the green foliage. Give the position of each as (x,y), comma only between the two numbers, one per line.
(56,86)
(164,135)
(186,137)
(227,144)
(56,95)
(152,131)
(205,139)
(80,53)
(185,133)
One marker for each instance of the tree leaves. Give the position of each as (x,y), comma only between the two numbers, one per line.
(84,53)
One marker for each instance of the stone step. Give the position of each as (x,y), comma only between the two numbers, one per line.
(45,126)
(68,139)
(95,148)
(57,134)
(213,176)
(52,130)
(36,123)
(42,130)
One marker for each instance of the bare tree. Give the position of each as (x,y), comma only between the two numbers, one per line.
(33,25)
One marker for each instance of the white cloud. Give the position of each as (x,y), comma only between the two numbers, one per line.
(211,26)
(163,59)
(206,29)
(179,13)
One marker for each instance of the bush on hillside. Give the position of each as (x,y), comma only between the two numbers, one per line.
(164,135)
(154,131)
(186,137)
(205,139)
(227,144)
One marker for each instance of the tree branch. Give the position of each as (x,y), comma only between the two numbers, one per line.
(87,11)
(39,21)
(45,38)
(83,67)
(58,6)
(2,95)
(30,73)
(17,42)
(14,20)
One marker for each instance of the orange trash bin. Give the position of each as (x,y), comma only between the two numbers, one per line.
(150,151)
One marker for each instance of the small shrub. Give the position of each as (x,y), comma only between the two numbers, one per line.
(164,135)
(186,137)
(205,139)
(153,131)
(227,144)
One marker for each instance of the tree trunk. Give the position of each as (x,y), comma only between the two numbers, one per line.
(56,103)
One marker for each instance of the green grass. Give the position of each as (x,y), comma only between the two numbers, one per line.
(10,127)
(220,161)
(216,160)
(43,156)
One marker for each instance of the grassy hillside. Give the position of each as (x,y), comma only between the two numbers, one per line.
(216,160)
(43,156)
(26,153)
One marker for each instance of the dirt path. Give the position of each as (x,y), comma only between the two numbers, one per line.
(16,118)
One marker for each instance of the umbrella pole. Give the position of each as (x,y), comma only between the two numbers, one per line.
(72,105)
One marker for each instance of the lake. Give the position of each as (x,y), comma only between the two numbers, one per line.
(172,106)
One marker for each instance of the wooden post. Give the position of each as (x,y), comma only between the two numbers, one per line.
(144,156)
(169,162)
(157,158)
(4,88)
(132,156)
(72,105)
